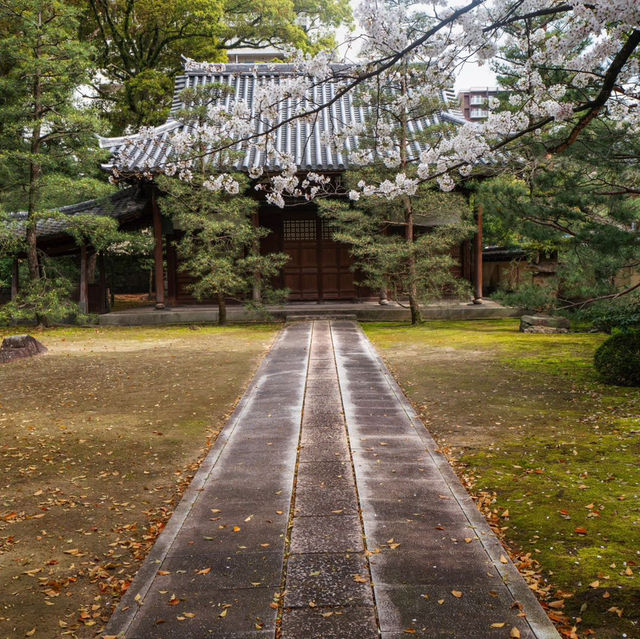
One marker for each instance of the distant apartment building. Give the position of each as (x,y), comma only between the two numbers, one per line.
(256,55)
(474,102)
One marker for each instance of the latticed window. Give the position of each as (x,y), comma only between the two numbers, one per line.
(299,229)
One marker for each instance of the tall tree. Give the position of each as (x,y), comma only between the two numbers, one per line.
(220,243)
(402,119)
(141,42)
(44,131)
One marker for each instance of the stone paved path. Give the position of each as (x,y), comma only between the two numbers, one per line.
(324,511)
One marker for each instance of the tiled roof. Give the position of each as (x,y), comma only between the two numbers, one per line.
(125,206)
(299,138)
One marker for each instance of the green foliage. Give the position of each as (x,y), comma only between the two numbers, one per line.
(531,298)
(144,99)
(43,301)
(622,313)
(220,245)
(375,229)
(618,359)
(140,43)
(44,130)
(580,202)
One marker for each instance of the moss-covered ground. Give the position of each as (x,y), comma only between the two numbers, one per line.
(526,421)
(98,439)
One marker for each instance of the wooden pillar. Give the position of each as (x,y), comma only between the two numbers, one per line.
(83,302)
(257,283)
(319,256)
(477,283)
(158,253)
(15,279)
(105,302)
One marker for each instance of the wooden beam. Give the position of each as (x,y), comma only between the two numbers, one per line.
(15,279)
(477,284)
(158,253)
(83,302)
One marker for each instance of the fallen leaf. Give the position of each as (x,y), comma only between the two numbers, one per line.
(360,579)
(163,573)
(30,633)
(440,601)
(174,601)
(503,559)
(557,605)
(189,615)
(498,625)
(468,540)
(456,593)
(223,614)
(581,531)
(203,571)
(515,633)
(594,584)
(236,529)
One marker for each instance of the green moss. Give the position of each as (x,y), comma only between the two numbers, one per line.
(529,419)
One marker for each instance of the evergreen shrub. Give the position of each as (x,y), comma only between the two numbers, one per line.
(618,359)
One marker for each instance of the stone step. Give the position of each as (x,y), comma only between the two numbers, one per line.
(310,317)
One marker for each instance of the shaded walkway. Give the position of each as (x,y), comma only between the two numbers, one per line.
(325,511)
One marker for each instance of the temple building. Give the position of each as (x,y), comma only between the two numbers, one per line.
(319,268)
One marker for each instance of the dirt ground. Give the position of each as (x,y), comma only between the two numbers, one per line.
(98,439)
(548,451)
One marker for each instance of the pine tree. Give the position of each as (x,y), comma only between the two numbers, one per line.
(43,131)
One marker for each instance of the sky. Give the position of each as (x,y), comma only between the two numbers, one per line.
(471,74)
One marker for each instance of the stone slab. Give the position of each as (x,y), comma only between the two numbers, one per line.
(336,533)
(344,623)
(327,579)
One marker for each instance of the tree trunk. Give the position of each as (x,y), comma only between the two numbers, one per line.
(15,279)
(257,277)
(478,284)
(35,170)
(158,253)
(222,310)
(412,288)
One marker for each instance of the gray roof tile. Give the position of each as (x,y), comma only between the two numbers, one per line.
(298,138)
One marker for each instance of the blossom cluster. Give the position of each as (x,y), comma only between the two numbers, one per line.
(555,55)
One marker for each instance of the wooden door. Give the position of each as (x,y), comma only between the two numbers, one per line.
(299,242)
(336,276)
(318,268)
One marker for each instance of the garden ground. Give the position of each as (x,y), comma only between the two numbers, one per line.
(98,439)
(550,453)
